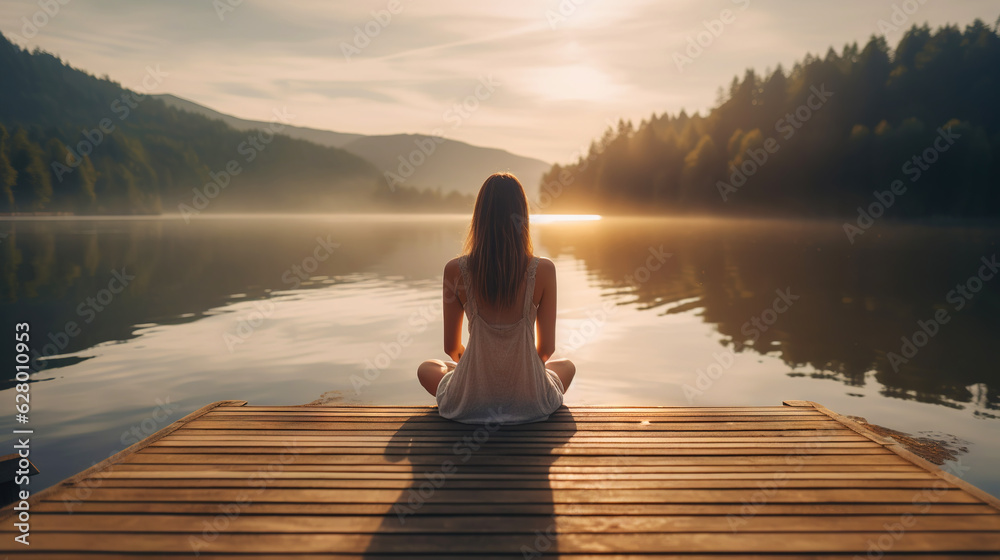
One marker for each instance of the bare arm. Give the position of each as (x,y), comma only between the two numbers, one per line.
(545,338)
(452,311)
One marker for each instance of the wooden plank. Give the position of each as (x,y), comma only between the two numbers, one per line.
(8,511)
(790,447)
(623,466)
(556,426)
(518,451)
(9,466)
(504,460)
(790,480)
(448,495)
(407,556)
(658,543)
(581,524)
(407,475)
(502,484)
(893,446)
(617,441)
(534,433)
(431,409)
(579,419)
(432,413)
(436,509)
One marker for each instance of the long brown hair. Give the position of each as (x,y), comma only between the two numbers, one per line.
(499,244)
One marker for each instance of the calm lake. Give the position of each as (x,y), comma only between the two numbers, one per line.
(152,318)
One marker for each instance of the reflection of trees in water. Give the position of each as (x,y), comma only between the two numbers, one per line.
(50,268)
(855,301)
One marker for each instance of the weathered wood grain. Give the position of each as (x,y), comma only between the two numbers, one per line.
(236,481)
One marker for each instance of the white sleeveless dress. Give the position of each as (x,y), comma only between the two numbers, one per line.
(500,377)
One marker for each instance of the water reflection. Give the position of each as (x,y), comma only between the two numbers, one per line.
(853,302)
(59,274)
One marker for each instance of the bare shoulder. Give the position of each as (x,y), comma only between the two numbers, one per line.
(452,276)
(452,269)
(546,268)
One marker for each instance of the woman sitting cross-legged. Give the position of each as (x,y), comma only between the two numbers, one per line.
(503,376)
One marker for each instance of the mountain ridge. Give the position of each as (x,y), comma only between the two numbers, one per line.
(73,142)
(451,165)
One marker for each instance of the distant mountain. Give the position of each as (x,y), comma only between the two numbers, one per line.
(71,142)
(452,166)
(321,137)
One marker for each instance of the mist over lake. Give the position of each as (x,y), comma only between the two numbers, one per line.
(341,309)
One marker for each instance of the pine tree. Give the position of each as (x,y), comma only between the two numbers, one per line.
(8,176)
(73,187)
(33,188)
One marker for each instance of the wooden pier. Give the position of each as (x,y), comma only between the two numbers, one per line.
(279,482)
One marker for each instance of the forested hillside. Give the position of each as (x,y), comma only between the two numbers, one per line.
(921,119)
(72,142)
(454,166)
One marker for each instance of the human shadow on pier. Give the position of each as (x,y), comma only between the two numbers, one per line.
(471,489)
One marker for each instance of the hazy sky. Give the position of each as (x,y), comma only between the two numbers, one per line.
(559,70)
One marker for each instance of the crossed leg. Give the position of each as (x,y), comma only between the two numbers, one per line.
(564,369)
(431,372)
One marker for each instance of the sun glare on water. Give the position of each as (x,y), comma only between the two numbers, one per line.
(553,218)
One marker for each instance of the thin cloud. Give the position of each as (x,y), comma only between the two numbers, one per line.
(562,79)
